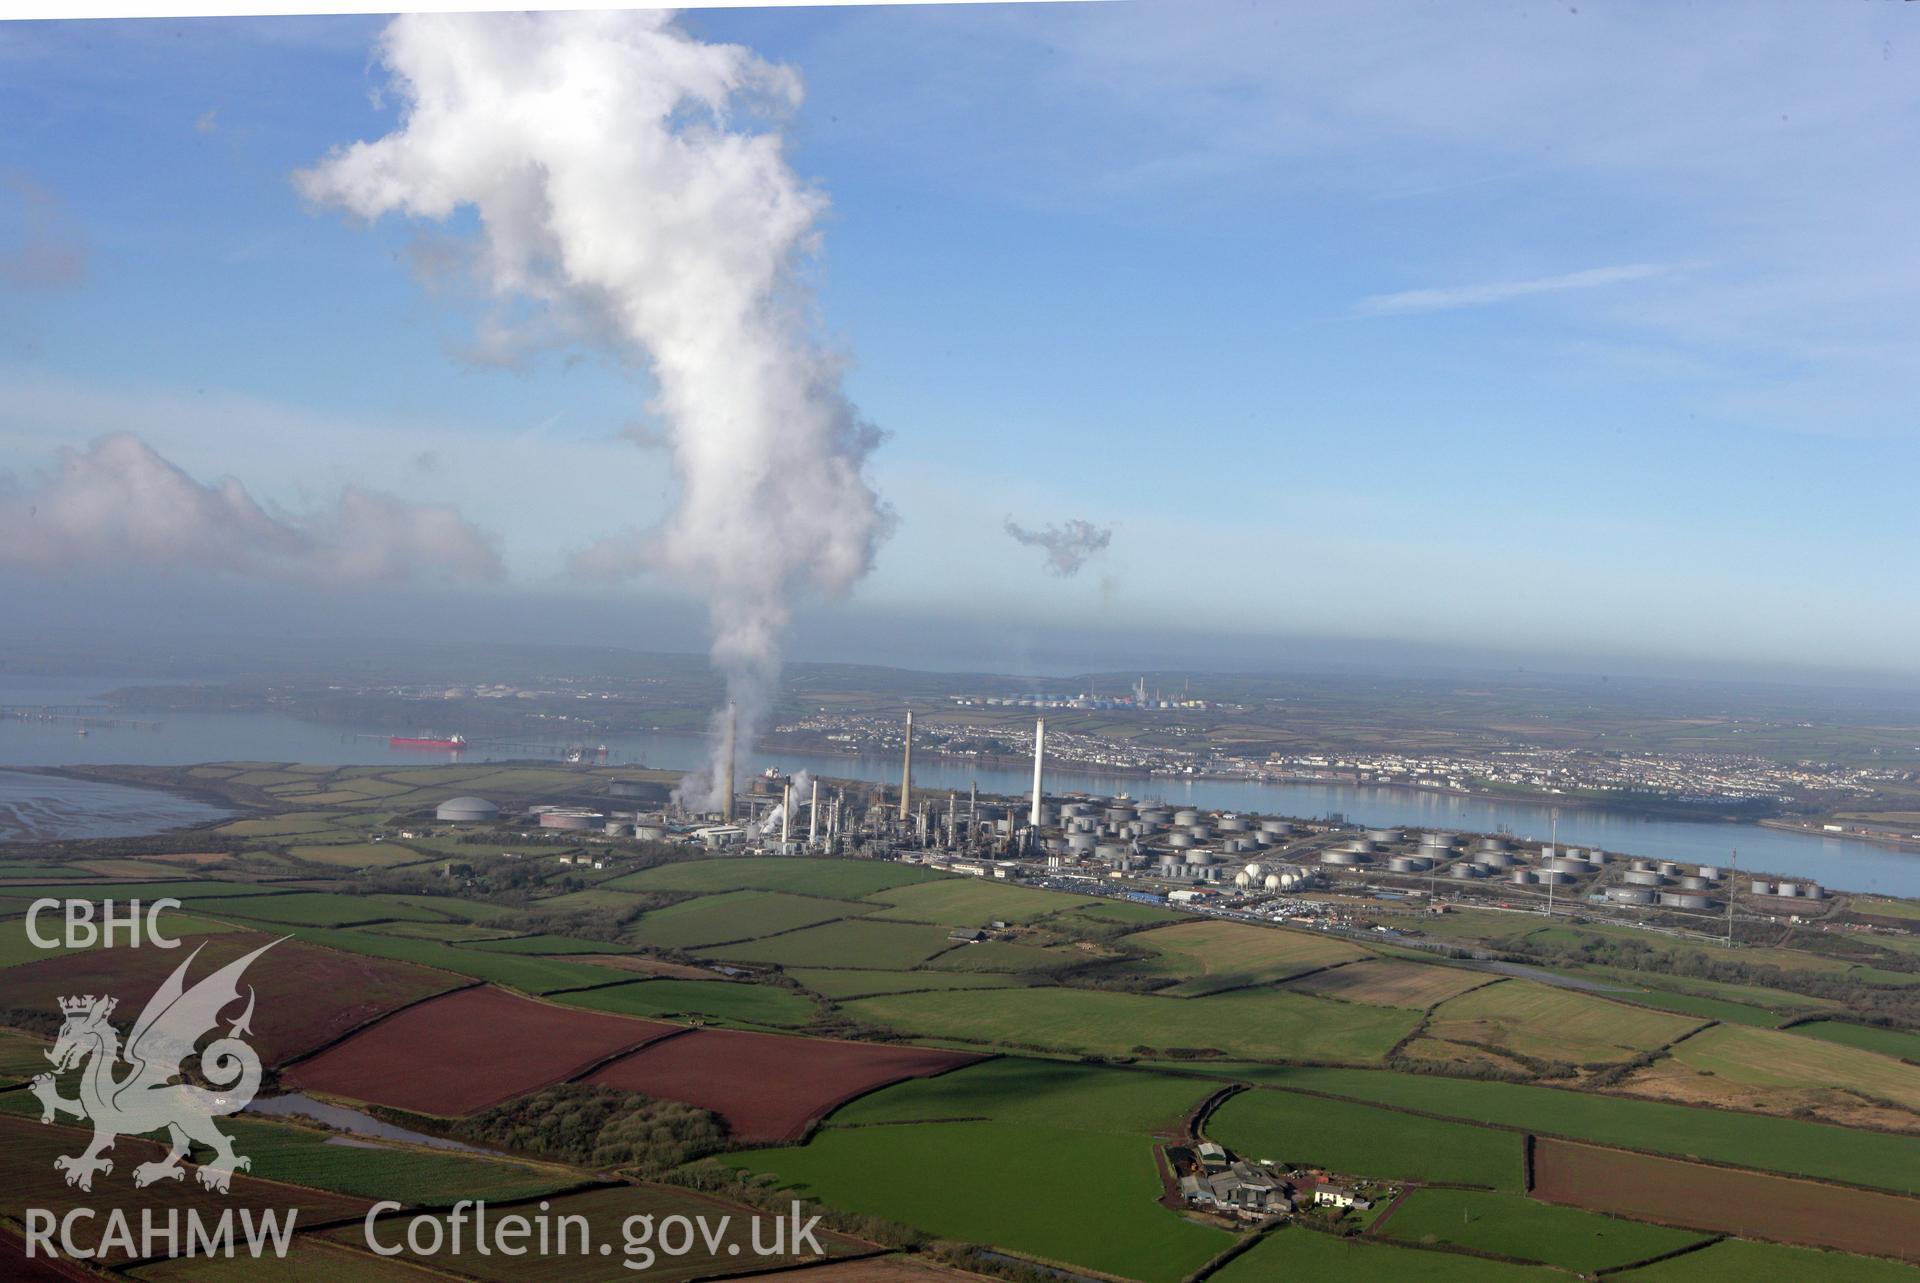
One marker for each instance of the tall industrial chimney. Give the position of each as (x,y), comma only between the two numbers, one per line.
(906,774)
(1039,760)
(786,815)
(726,777)
(813,818)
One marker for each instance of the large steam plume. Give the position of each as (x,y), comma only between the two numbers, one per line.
(631,190)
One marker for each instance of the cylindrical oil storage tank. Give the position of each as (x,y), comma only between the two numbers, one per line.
(1155,814)
(1522,877)
(1119,814)
(1598,859)
(1643,877)
(1383,835)
(1200,831)
(1685,900)
(1234,846)
(1109,851)
(650,832)
(616,828)
(1233,824)
(1814,892)
(1180,839)
(1495,844)
(1710,873)
(1070,810)
(1789,889)
(1548,852)
(1464,870)
(1409,864)
(1438,841)
(1493,859)
(1278,828)
(1696,884)
(1630,895)
(1568,865)
(1555,878)
(1668,868)
(1259,839)
(1643,866)
(1575,853)
(1084,824)
(1360,846)
(1186,817)
(1200,857)
(1343,858)
(1762,888)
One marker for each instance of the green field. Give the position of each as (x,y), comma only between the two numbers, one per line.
(1248,1023)
(1304,1254)
(530,975)
(1549,1023)
(1080,1198)
(1210,956)
(543,944)
(836,879)
(1363,1140)
(1017,1090)
(359,855)
(21,1057)
(1008,958)
(1739,1261)
(315,908)
(1515,1226)
(722,1000)
(1888,1042)
(969,902)
(850,983)
(1687,1004)
(732,916)
(1779,1061)
(1848,1155)
(853,943)
(370,1169)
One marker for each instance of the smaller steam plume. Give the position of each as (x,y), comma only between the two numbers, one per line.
(119,505)
(1068,545)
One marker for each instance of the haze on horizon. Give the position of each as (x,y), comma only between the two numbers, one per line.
(1376,333)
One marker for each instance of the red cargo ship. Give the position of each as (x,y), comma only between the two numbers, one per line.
(454,742)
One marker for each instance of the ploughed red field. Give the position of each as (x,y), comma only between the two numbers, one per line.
(305,996)
(1672,1191)
(469,1051)
(769,1087)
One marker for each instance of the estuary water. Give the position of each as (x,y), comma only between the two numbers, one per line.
(185,738)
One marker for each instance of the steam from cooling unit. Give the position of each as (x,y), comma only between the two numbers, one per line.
(631,191)
(1068,546)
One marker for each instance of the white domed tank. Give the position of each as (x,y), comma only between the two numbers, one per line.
(1275,882)
(1243,879)
(1256,870)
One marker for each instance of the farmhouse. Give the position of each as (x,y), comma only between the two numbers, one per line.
(1339,1196)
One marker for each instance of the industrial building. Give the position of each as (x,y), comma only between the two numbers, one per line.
(467,810)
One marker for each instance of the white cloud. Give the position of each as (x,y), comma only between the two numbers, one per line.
(118,507)
(1453,297)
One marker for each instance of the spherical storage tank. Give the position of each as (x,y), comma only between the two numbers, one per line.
(1275,882)
(1256,870)
(467,810)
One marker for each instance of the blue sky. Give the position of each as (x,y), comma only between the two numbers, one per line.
(1513,326)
